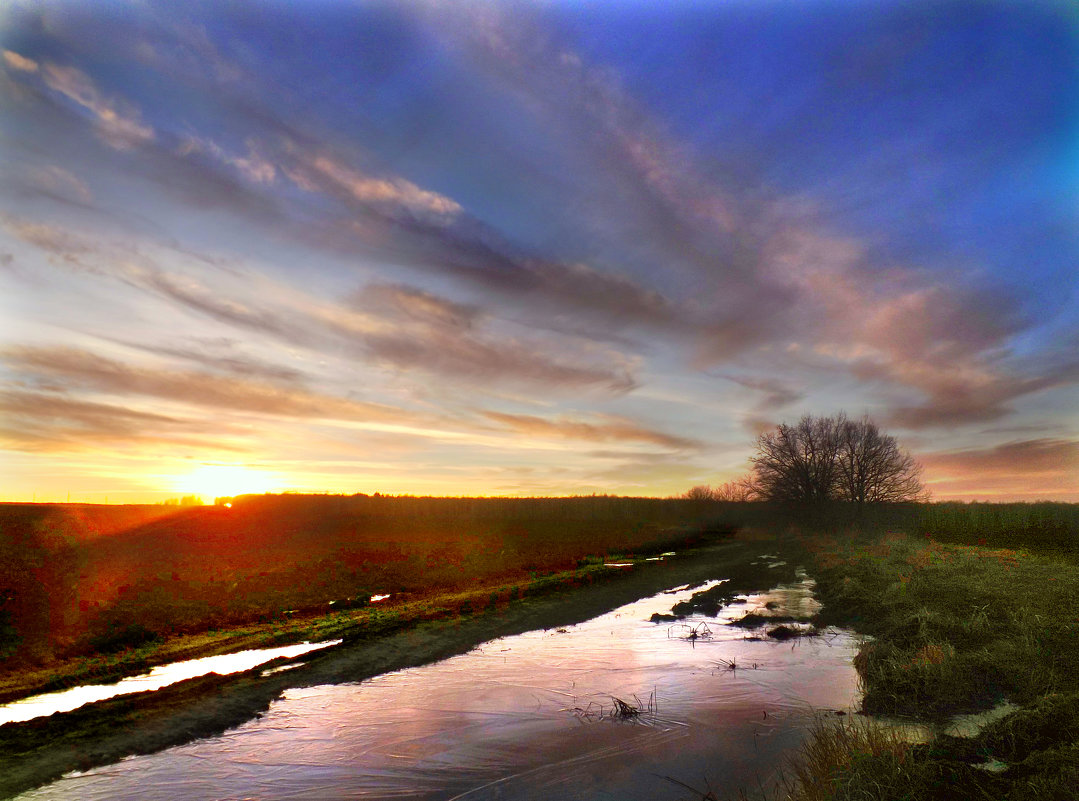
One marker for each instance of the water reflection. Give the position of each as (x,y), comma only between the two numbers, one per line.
(160,676)
(504,720)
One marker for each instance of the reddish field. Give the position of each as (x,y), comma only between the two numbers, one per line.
(76,578)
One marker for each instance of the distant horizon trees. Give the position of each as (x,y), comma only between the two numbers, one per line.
(187,500)
(822,459)
(739,490)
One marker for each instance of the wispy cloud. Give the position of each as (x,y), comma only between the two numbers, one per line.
(76,368)
(50,421)
(1020,469)
(314,172)
(19,62)
(416,305)
(609,430)
(60,184)
(393,325)
(777,393)
(253,166)
(119,122)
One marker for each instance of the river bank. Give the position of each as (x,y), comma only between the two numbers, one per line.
(956,628)
(38,751)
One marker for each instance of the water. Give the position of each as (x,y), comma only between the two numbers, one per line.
(525,717)
(161,676)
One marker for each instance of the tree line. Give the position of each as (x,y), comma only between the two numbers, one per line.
(825,459)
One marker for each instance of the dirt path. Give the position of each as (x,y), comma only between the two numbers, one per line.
(39,751)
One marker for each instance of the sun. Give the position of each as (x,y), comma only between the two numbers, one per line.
(219,480)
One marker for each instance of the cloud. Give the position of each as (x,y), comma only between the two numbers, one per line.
(177,49)
(118,121)
(415,305)
(254,166)
(505,360)
(321,172)
(612,430)
(906,330)
(76,368)
(393,325)
(635,471)
(777,393)
(1023,469)
(965,395)
(194,295)
(405,328)
(765,270)
(60,184)
(220,355)
(548,290)
(18,62)
(38,421)
(70,249)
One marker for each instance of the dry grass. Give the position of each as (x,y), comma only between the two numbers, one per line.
(850,751)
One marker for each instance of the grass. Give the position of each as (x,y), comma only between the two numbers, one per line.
(953,627)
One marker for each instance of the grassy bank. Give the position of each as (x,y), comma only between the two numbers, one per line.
(956,627)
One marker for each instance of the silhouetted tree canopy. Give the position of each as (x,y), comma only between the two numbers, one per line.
(738,491)
(821,459)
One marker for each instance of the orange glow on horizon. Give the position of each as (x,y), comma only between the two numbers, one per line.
(225,480)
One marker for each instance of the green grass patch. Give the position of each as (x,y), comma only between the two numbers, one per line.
(953,628)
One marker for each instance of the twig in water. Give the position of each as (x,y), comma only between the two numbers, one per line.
(706,795)
(623,709)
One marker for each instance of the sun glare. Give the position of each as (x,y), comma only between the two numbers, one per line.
(217,480)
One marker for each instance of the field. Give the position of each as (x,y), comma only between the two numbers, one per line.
(80,582)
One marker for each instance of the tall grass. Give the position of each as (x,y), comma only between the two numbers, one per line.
(1034,526)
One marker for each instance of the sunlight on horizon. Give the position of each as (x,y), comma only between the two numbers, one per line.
(226,480)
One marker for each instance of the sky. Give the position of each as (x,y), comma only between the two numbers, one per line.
(532,248)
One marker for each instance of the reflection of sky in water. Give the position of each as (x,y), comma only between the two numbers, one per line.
(161,676)
(500,721)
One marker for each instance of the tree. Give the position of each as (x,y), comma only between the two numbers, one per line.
(823,459)
(872,468)
(798,463)
(739,490)
(702,492)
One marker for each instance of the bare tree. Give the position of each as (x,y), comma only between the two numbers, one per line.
(702,492)
(833,458)
(738,491)
(872,468)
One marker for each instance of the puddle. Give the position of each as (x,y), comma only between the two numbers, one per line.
(913,731)
(161,676)
(971,725)
(532,716)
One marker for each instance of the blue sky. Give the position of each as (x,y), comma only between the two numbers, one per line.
(532,248)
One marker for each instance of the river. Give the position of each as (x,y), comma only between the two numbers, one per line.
(530,716)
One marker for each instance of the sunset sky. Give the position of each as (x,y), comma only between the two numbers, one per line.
(532,248)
